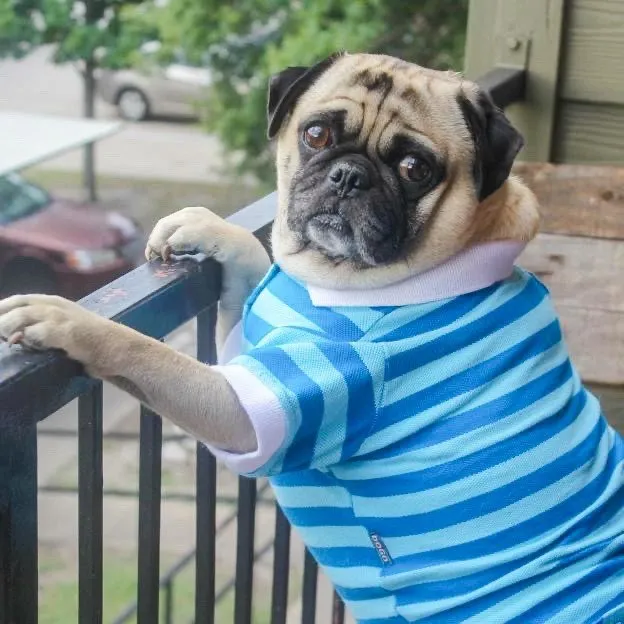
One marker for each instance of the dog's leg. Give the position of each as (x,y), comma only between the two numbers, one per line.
(243,259)
(189,393)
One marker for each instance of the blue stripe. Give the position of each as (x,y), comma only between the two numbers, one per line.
(546,609)
(300,451)
(451,588)
(459,614)
(303,478)
(497,498)
(441,316)
(269,275)
(518,306)
(322,516)
(467,465)
(362,593)
(384,309)
(256,328)
(530,529)
(463,612)
(601,516)
(472,378)
(597,616)
(362,408)
(346,556)
(296,296)
(480,416)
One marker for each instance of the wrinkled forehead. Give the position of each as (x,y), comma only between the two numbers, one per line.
(382,96)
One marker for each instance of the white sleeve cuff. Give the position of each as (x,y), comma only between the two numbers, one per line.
(266,415)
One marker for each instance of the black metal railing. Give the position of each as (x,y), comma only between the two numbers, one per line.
(505,85)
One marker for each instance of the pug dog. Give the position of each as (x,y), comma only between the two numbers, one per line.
(404,385)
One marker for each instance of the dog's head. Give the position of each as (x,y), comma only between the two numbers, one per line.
(382,168)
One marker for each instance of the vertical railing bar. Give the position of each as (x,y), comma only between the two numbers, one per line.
(310,575)
(205,577)
(90,502)
(338,610)
(243,591)
(150,461)
(5,569)
(206,492)
(281,568)
(206,345)
(169,602)
(18,519)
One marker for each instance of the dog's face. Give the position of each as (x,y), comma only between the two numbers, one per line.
(381,167)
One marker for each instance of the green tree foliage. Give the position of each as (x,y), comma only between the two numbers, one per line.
(101,32)
(88,33)
(248,40)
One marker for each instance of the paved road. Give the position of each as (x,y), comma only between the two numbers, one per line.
(153,149)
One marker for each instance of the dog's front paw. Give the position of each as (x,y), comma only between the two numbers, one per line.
(49,322)
(189,230)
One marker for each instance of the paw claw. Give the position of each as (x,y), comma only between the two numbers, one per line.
(16,338)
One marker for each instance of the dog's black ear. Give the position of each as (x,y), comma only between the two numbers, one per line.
(496,142)
(286,87)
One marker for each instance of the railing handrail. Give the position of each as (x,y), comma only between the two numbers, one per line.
(195,282)
(506,85)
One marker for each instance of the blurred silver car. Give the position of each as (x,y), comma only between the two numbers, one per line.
(153,89)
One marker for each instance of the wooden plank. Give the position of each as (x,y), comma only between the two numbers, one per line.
(612,401)
(521,20)
(577,200)
(594,338)
(594,49)
(584,276)
(590,133)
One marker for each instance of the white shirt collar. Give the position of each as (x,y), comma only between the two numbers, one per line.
(473,269)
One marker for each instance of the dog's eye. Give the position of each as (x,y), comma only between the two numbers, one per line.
(317,136)
(414,169)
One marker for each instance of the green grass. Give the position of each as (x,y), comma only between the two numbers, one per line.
(58,600)
(58,597)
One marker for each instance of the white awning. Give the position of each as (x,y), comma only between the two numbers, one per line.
(27,139)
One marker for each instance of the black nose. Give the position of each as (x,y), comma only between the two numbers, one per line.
(348,178)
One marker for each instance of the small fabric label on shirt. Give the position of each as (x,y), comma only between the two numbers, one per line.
(381,549)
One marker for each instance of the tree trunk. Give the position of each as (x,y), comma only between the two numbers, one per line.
(89,113)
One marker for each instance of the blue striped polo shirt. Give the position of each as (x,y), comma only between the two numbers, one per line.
(441,460)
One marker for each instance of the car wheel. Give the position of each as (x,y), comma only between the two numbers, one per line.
(24,277)
(133,105)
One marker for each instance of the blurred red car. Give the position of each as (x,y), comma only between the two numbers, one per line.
(53,245)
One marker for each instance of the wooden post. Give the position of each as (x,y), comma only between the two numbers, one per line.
(523,33)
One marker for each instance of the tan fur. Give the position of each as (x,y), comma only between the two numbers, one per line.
(432,115)
(510,213)
(197,397)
